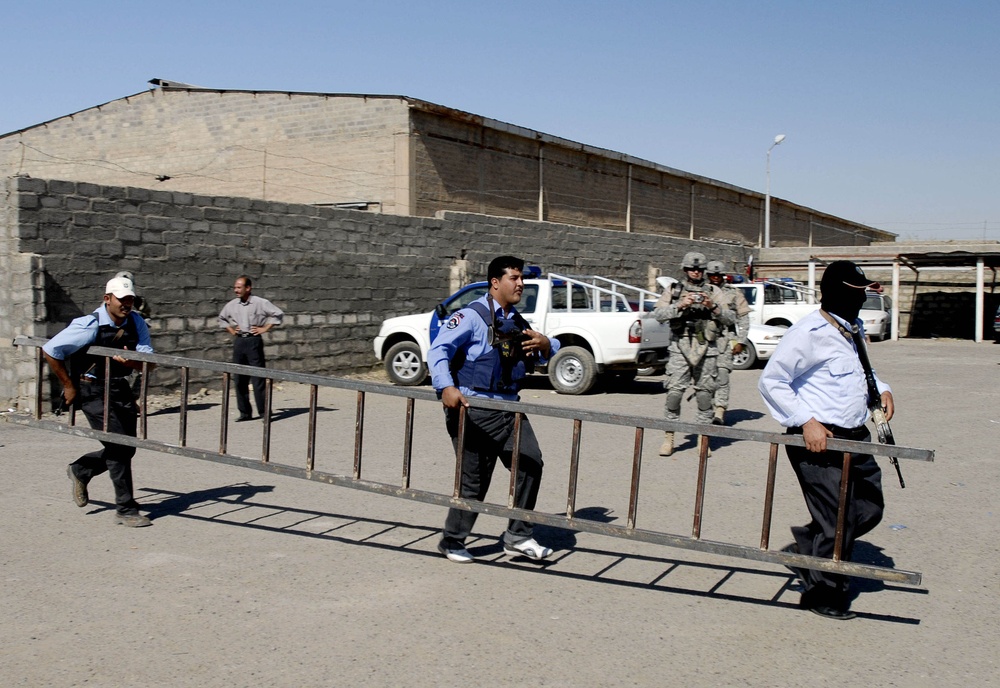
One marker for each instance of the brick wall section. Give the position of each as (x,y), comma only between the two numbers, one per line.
(22,310)
(336,273)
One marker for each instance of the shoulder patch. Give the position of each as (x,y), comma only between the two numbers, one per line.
(454,321)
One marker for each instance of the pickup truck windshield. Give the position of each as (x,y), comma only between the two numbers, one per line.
(529,297)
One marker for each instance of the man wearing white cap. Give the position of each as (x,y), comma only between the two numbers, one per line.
(115,325)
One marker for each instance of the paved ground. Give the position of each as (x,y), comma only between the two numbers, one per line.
(247,578)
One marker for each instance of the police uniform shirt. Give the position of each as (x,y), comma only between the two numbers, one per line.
(83,331)
(815,372)
(465,329)
(254,312)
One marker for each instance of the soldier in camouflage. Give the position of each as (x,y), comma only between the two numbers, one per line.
(732,339)
(696,321)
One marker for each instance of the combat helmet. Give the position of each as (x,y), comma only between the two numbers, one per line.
(715,267)
(694,260)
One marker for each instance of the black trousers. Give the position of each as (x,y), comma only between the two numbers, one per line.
(490,435)
(819,477)
(249,351)
(116,459)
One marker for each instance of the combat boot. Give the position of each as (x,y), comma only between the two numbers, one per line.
(667,448)
(720,416)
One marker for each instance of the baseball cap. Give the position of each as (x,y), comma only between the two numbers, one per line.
(120,287)
(846,272)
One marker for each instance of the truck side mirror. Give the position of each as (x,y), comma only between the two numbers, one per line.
(440,312)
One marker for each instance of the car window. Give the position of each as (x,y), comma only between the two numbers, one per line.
(463,299)
(529,298)
(580,300)
(773,294)
(789,295)
(750,294)
(873,302)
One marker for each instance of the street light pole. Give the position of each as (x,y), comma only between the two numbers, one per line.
(767,194)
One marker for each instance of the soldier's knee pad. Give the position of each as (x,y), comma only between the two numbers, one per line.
(674,400)
(704,399)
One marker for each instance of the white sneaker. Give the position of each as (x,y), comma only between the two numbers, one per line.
(459,556)
(527,548)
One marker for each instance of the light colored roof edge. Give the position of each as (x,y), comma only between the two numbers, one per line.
(177,86)
(498,125)
(70,115)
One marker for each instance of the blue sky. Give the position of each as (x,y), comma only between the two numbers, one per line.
(891,109)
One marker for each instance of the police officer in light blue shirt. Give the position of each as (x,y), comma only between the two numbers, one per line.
(116,326)
(485,350)
(814,385)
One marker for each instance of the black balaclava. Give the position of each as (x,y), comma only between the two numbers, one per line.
(843,289)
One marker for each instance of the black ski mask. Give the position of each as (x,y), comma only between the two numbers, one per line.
(843,289)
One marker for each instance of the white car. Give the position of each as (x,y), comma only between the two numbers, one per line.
(763,341)
(876,315)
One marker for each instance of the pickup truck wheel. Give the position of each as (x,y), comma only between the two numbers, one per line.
(404,365)
(746,358)
(572,370)
(778,322)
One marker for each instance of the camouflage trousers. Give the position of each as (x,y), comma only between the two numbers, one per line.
(725,366)
(681,375)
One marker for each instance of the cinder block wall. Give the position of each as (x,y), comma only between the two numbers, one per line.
(336,273)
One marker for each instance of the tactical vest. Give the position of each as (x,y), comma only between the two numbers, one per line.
(693,321)
(501,367)
(90,367)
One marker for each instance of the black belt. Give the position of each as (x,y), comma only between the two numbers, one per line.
(248,334)
(843,433)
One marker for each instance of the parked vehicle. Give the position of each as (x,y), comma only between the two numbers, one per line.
(781,304)
(594,318)
(876,314)
(996,326)
(762,339)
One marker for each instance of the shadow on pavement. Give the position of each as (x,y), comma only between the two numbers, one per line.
(488,549)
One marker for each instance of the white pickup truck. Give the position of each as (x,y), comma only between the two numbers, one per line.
(780,304)
(595,320)
(784,303)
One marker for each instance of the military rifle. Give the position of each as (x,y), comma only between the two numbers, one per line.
(875,401)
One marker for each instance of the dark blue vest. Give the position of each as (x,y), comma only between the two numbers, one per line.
(114,337)
(500,368)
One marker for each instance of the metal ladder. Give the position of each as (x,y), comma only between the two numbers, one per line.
(403,489)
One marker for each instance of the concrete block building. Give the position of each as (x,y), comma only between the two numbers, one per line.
(395,155)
